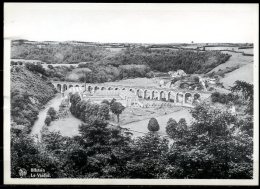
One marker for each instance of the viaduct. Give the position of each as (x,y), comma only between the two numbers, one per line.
(180,97)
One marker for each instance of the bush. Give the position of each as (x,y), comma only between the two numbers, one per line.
(50,66)
(153,125)
(36,68)
(47,120)
(52,113)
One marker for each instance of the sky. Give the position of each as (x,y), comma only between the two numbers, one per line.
(133,23)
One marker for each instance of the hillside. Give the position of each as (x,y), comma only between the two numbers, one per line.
(243,71)
(29,92)
(162,60)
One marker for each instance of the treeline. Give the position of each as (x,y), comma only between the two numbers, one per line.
(242,93)
(83,110)
(207,149)
(58,53)
(101,73)
(165,60)
(29,92)
(224,98)
(162,60)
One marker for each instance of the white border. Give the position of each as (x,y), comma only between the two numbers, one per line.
(69,181)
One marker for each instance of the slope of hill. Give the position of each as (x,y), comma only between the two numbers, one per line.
(29,92)
(243,72)
(234,60)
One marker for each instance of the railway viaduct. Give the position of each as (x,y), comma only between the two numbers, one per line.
(180,97)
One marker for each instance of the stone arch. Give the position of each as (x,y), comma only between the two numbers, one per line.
(116,89)
(123,89)
(59,87)
(162,96)
(140,93)
(65,87)
(188,98)
(96,88)
(102,88)
(132,90)
(155,95)
(171,97)
(147,94)
(70,86)
(179,98)
(109,88)
(196,98)
(90,88)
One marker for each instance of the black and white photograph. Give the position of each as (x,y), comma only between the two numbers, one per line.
(136,94)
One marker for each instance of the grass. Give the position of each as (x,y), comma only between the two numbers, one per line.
(244,71)
(139,128)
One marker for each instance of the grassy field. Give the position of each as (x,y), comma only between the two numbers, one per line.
(139,128)
(234,60)
(244,73)
(131,114)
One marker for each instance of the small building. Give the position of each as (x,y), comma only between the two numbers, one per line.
(178,73)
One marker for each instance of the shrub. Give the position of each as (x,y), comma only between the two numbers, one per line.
(171,127)
(47,120)
(50,66)
(35,68)
(153,125)
(52,113)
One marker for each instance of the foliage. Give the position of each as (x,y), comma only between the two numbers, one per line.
(171,128)
(129,63)
(52,113)
(58,53)
(85,109)
(149,154)
(48,120)
(214,147)
(245,88)
(224,98)
(29,92)
(36,68)
(153,125)
(117,108)
(26,154)
(176,130)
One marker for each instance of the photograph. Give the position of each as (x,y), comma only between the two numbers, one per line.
(131,94)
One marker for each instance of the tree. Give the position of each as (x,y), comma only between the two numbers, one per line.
(171,127)
(105,102)
(50,66)
(103,111)
(52,113)
(117,108)
(47,120)
(181,128)
(106,149)
(112,101)
(25,153)
(148,156)
(153,125)
(245,88)
(182,124)
(214,147)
